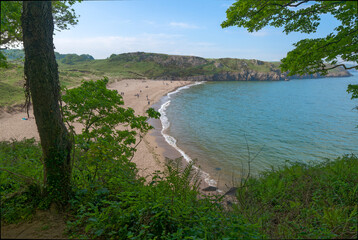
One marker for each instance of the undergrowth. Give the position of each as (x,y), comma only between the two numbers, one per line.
(296,201)
(20,177)
(304,201)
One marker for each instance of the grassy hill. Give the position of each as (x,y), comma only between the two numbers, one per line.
(162,66)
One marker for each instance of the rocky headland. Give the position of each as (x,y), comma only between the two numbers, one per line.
(191,68)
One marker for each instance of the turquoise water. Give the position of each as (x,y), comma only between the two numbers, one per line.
(298,120)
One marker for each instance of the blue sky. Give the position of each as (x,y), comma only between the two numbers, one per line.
(182,27)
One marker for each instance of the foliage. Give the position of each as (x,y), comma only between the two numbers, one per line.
(72,58)
(296,201)
(109,131)
(354,90)
(168,208)
(20,179)
(11,31)
(310,55)
(10,21)
(14,54)
(304,201)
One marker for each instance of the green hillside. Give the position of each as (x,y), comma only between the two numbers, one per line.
(157,66)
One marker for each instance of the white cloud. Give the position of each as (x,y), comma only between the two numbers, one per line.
(103,47)
(183,25)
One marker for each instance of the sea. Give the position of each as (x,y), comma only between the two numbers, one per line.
(235,128)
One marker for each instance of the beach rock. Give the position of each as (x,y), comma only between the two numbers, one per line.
(210,189)
(231,192)
(218,65)
(251,75)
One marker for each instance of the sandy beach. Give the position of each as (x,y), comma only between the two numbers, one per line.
(151,152)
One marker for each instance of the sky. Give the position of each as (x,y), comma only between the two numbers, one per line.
(180,27)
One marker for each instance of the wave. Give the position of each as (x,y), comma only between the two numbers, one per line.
(171,140)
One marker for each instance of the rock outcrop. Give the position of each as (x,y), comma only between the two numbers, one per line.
(250,75)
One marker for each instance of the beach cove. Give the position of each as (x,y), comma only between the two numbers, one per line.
(217,155)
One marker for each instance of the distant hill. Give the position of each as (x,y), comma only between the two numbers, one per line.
(13,54)
(18,54)
(140,65)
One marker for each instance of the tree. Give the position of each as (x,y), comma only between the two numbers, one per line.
(310,55)
(41,72)
(11,31)
(108,140)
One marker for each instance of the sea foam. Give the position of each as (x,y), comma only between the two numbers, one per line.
(171,140)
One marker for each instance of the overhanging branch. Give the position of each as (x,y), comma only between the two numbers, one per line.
(341,65)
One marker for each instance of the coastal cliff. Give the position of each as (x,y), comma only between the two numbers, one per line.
(250,75)
(191,68)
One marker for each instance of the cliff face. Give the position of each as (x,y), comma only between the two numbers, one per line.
(250,75)
(174,67)
(247,75)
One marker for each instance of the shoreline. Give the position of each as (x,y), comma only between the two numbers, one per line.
(140,94)
(168,143)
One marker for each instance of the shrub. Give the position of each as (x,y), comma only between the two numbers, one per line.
(170,207)
(20,179)
(106,145)
(304,201)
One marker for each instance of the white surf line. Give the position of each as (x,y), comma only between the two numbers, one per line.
(172,141)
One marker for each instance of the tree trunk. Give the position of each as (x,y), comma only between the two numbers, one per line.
(41,72)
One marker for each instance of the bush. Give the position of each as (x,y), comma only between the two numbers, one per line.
(21,175)
(106,145)
(304,201)
(170,207)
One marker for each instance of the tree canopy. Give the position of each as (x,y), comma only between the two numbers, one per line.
(310,55)
(11,31)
